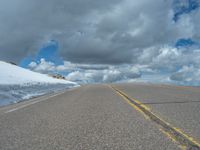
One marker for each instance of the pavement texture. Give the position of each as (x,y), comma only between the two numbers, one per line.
(97,117)
(177,105)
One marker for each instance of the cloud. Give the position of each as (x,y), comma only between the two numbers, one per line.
(188,75)
(181,65)
(48,67)
(106,32)
(102,41)
(27,25)
(103,76)
(43,66)
(166,63)
(88,73)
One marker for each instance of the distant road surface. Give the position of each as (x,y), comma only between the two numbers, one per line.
(105,117)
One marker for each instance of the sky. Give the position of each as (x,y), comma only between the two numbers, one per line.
(94,41)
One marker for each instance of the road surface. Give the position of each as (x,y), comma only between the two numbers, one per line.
(101,117)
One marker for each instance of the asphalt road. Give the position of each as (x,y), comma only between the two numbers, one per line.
(99,117)
(175,104)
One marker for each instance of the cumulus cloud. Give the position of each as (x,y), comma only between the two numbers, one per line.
(84,73)
(47,67)
(105,76)
(181,65)
(187,75)
(165,63)
(43,66)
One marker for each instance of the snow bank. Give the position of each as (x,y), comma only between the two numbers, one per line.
(17,84)
(12,75)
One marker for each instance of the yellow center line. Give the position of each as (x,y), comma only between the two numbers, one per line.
(177,135)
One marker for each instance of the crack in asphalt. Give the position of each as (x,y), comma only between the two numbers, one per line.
(185,141)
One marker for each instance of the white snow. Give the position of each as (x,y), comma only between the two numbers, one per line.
(18,84)
(12,75)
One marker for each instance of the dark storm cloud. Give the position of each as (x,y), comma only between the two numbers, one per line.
(121,34)
(89,31)
(26,25)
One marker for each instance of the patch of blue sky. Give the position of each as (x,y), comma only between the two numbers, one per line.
(184,7)
(48,51)
(26,61)
(186,43)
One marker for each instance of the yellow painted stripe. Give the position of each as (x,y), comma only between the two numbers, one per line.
(183,147)
(134,106)
(189,138)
